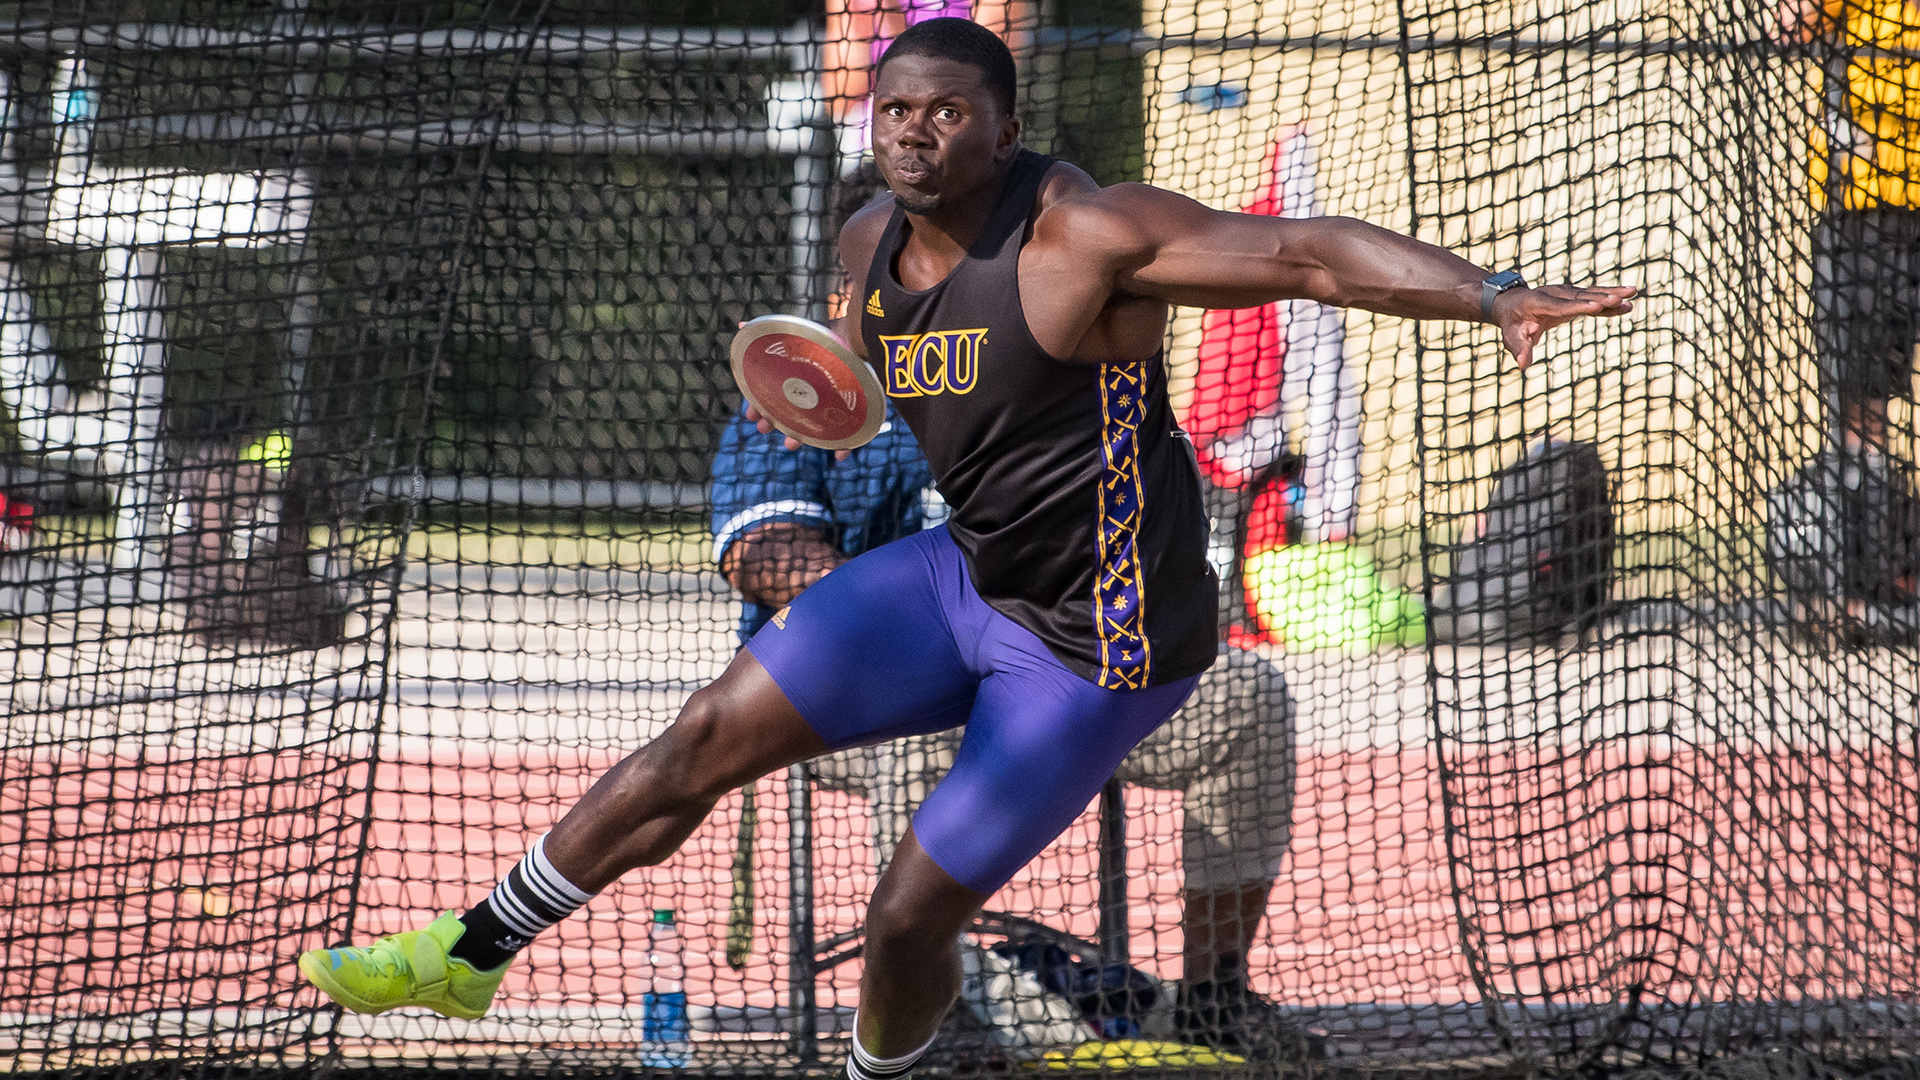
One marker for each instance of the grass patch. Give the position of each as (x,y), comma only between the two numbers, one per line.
(626,546)
(81,537)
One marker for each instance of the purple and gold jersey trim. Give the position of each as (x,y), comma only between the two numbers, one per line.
(1119,600)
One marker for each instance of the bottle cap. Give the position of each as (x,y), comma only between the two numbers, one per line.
(664,915)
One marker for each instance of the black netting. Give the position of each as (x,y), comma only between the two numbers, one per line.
(364,370)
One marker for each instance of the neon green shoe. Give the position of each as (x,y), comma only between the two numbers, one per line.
(410,968)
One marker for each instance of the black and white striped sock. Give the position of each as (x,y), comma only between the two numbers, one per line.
(532,897)
(864,1066)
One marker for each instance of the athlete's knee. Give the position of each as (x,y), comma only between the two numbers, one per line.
(918,907)
(899,924)
(684,770)
(699,755)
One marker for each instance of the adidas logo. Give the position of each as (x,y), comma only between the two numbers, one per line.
(780,618)
(873,305)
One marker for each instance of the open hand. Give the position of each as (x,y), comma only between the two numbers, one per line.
(766,428)
(1523,315)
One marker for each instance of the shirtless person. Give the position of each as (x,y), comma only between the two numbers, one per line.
(1015,313)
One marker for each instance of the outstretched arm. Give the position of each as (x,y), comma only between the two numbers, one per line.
(1147,241)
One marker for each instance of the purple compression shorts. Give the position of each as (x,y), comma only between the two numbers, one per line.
(897,642)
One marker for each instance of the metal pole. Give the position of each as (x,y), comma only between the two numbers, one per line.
(136,389)
(1840,136)
(303,314)
(812,172)
(1113,873)
(800,943)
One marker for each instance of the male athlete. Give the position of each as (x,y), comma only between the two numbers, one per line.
(1015,311)
(783,518)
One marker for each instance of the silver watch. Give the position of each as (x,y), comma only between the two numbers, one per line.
(1494,286)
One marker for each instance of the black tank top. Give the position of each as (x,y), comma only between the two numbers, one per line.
(1075,498)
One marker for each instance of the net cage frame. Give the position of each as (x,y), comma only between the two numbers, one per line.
(365,375)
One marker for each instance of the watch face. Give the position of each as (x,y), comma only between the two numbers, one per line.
(1506,279)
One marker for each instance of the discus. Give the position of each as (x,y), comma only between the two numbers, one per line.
(804,380)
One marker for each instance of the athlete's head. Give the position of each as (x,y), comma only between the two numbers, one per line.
(943,122)
(965,41)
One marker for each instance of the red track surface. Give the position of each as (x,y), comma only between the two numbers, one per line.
(154,882)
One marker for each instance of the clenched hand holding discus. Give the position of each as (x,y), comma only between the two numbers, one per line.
(1014,313)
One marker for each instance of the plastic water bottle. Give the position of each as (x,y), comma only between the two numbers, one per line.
(665,1034)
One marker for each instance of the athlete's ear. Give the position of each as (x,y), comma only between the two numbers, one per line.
(1009,141)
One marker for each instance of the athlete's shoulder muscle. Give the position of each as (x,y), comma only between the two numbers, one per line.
(1097,236)
(1119,228)
(1064,180)
(1084,246)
